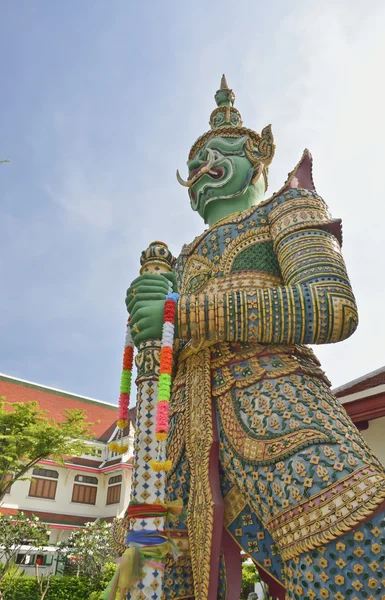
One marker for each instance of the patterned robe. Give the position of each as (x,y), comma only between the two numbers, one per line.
(299,484)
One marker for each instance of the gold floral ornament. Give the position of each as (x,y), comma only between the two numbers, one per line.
(119,530)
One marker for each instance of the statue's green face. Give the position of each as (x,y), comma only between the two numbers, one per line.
(219,171)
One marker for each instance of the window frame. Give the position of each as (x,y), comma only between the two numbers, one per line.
(86,480)
(115,479)
(43,480)
(49,473)
(114,491)
(82,488)
(8,477)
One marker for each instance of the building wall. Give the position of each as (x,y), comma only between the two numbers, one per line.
(19,498)
(62,508)
(375,437)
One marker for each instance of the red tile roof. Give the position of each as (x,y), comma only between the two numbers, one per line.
(55,401)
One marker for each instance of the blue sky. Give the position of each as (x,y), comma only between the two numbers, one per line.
(100,103)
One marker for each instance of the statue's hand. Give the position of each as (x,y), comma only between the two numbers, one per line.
(145,303)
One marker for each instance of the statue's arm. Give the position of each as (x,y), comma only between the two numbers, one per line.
(315,306)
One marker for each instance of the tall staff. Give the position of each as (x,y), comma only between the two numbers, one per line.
(142,567)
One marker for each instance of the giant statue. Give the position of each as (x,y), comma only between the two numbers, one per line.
(263,456)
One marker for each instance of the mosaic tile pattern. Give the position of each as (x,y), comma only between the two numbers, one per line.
(350,568)
(147,486)
(298,480)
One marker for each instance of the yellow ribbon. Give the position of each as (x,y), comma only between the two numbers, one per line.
(131,566)
(174,508)
(110,593)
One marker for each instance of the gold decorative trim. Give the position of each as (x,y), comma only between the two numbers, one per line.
(181,541)
(197,265)
(247,281)
(257,564)
(235,502)
(192,348)
(235,217)
(176,442)
(227,110)
(328,515)
(199,439)
(290,365)
(227,131)
(245,240)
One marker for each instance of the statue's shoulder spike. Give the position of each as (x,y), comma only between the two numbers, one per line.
(302,174)
(300,177)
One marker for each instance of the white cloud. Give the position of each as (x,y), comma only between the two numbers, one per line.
(340,99)
(313,70)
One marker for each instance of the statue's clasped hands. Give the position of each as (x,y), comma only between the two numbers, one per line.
(145,303)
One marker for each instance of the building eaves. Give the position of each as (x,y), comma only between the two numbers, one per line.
(372,379)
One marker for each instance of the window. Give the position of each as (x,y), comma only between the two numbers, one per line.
(5,480)
(113,492)
(116,479)
(44,484)
(94,452)
(86,479)
(46,473)
(85,491)
(34,559)
(24,559)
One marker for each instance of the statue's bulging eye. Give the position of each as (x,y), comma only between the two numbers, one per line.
(216,155)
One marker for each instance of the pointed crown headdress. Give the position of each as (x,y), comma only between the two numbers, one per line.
(226,121)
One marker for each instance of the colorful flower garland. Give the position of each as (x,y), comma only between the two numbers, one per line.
(164,384)
(125,388)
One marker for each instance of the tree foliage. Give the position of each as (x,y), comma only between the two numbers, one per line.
(27,436)
(15,532)
(61,588)
(89,550)
(250,577)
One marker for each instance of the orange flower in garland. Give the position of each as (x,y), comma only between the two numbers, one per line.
(125,388)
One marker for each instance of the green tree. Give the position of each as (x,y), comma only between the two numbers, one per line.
(17,531)
(27,436)
(250,577)
(89,552)
(61,588)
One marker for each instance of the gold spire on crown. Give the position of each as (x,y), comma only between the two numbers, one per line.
(225,115)
(224,85)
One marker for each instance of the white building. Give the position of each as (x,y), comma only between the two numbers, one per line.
(84,489)
(364,401)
